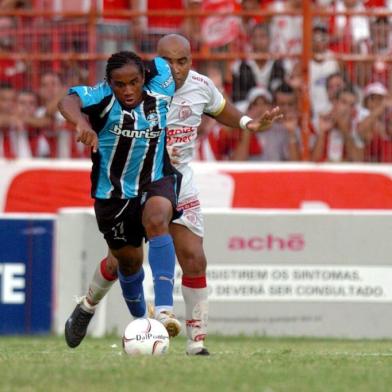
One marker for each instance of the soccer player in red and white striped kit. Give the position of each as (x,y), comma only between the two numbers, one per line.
(195,94)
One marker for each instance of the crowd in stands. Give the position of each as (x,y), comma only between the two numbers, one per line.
(351,101)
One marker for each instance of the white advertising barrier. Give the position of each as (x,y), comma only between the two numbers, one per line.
(276,273)
(66,183)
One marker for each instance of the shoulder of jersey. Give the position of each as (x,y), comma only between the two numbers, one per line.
(102,86)
(162,64)
(199,79)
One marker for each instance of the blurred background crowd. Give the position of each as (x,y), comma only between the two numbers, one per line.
(337,107)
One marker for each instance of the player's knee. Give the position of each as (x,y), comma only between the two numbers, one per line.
(128,262)
(111,264)
(129,267)
(156,224)
(192,263)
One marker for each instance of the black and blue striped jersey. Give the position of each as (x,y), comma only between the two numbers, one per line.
(132,142)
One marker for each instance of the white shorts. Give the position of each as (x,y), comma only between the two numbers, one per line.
(188,201)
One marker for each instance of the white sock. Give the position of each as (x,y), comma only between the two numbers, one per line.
(100,284)
(196,311)
(86,306)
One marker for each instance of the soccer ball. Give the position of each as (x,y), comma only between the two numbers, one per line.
(145,336)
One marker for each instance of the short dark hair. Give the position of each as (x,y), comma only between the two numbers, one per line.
(261,26)
(334,75)
(6,86)
(284,88)
(119,59)
(349,88)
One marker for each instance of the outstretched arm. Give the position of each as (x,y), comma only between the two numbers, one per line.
(233,118)
(70,107)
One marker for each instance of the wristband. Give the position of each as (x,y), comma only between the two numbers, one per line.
(244,120)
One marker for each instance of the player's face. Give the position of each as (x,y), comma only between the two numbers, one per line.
(127,85)
(179,60)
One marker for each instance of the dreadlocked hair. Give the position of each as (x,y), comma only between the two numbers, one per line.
(119,59)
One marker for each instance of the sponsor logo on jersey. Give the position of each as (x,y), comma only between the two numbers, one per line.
(185,112)
(152,119)
(199,79)
(168,82)
(136,133)
(181,135)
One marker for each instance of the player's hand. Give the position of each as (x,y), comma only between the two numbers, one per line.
(265,120)
(86,135)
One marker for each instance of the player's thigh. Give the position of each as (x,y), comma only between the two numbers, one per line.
(159,207)
(157,211)
(189,250)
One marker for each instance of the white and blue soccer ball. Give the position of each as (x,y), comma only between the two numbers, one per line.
(145,336)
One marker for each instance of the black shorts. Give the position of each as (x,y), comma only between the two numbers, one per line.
(120,220)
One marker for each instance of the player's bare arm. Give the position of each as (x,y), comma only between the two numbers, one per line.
(70,108)
(233,118)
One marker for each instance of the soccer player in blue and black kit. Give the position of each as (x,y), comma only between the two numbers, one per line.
(135,187)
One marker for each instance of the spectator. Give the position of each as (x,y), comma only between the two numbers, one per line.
(336,132)
(286,30)
(263,73)
(23,133)
(375,130)
(295,79)
(115,33)
(7,104)
(14,4)
(191,26)
(10,124)
(321,66)
(351,34)
(250,21)
(11,71)
(55,140)
(380,45)
(281,141)
(150,29)
(334,83)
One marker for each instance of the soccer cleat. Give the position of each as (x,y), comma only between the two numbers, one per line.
(203,351)
(172,325)
(168,319)
(76,325)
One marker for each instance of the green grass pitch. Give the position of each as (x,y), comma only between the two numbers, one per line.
(236,364)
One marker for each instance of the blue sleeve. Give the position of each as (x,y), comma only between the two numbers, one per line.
(91,95)
(162,82)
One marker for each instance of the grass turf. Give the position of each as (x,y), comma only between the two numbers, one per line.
(236,364)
